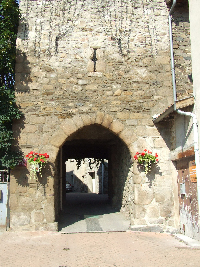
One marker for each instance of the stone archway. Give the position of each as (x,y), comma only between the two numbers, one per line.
(117,141)
(69,126)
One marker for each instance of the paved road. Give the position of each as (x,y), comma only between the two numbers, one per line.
(94,248)
(90,213)
(119,249)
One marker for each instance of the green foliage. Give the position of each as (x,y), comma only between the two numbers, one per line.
(146,159)
(91,161)
(9,20)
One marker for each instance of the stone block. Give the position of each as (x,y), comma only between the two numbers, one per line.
(86,119)
(138,116)
(49,213)
(140,211)
(33,139)
(166,210)
(37,217)
(159,143)
(13,185)
(123,115)
(137,178)
(19,219)
(34,119)
(162,194)
(128,136)
(143,194)
(58,138)
(100,66)
(92,118)
(132,122)
(107,120)
(82,82)
(78,121)
(91,87)
(26,203)
(163,60)
(48,87)
(118,92)
(13,201)
(99,117)
(138,222)
(68,126)
(152,212)
(116,126)
(141,131)
(30,128)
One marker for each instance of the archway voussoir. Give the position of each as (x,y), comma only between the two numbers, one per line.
(68,126)
(78,121)
(99,117)
(116,127)
(93,118)
(58,138)
(86,119)
(107,120)
(128,136)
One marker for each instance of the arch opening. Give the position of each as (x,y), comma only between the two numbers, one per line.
(89,143)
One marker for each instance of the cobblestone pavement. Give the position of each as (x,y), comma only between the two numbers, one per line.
(138,249)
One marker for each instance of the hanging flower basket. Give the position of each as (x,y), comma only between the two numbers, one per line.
(36,161)
(35,167)
(146,159)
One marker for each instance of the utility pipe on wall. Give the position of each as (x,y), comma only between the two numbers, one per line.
(195,127)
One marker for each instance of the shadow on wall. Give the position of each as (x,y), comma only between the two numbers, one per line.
(24,178)
(155,170)
(22,73)
(88,178)
(77,184)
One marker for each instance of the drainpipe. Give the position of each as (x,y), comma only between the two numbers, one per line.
(195,126)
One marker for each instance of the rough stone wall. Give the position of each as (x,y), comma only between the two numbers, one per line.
(57,41)
(182,50)
(85,62)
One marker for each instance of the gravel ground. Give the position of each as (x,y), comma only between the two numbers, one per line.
(129,248)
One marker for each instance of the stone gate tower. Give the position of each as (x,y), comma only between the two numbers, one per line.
(90,74)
